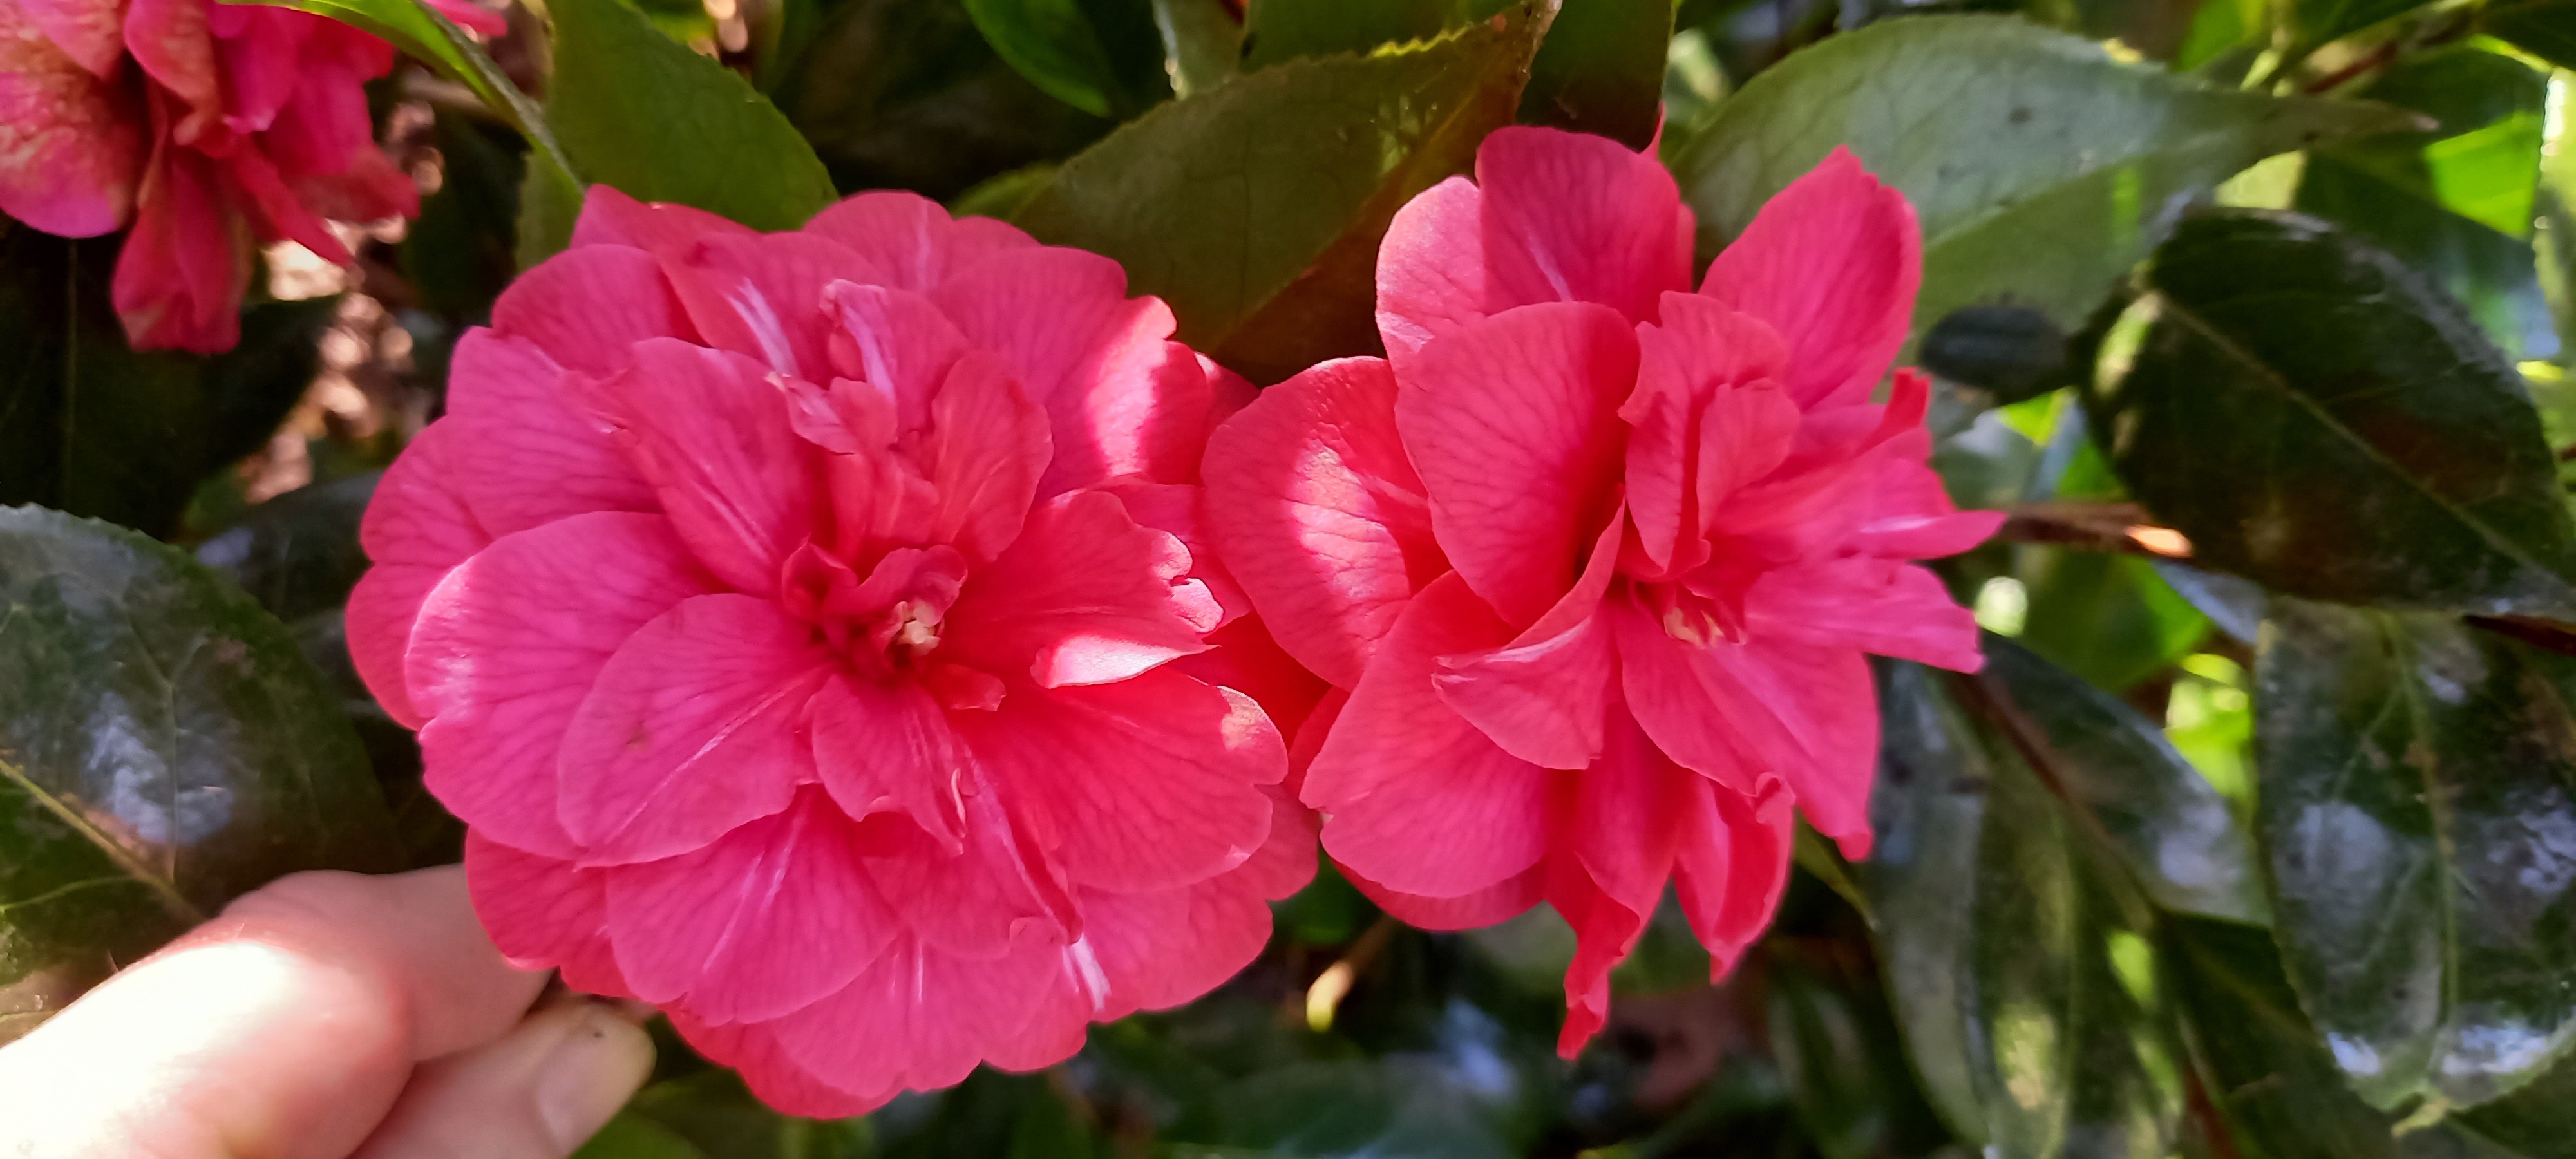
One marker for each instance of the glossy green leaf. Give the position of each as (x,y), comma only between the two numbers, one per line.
(1601,70)
(2417,801)
(297,554)
(420,32)
(2041,170)
(1101,56)
(2454,202)
(163,748)
(2108,618)
(89,426)
(2543,28)
(2012,950)
(1202,43)
(2318,419)
(637,111)
(1255,209)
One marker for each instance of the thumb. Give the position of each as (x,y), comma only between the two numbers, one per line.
(539,1092)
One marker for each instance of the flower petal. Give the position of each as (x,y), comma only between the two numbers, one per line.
(913,242)
(1865,604)
(916,1018)
(416,529)
(611,218)
(1144,784)
(1084,596)
(1495,903)
(1741,713)
(525,455)
(1571,217)
(887,748)
(508,646)
(1513,424)
(1543,697)
(543,913)
(773,917)
(1705,420)
(585,307)
(1732,869)
(1431,275)
(1832,263)
(91,32)
(1322,520)
(1414,797)
(975,898)
(711,433)
(184,266)
(71,143)
(776,1078)
(1164,948)
(695,726)
(761,295)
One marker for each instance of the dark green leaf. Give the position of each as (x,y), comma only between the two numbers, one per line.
(2315,22)
(2041,169)
(92,427)
(2314,417)
(908,95)
(632,1136)
(638,112)
(2013,951)
(420,32)
(2417,801)
(712,1112)
(163,748)
(462,250)
(1839,1064)
(297,554)
(1255,209)
(2543,28)
(1392,1106)
(1601,70)
(1100,56)
(2010,352)
(2456,201)
(549,203)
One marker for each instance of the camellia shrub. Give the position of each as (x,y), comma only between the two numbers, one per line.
(1443,578)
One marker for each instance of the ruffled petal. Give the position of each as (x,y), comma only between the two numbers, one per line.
(1544,697)
(543,913)
(1431,268)
(417,528)
(695,726)
(711,433)
(761,295)
(1415,798)
(1866,604)
(1500,902)
(71,143)
(1084,596)
(508,646)
(1141,785)
(1740,713)
(586,307)
(1571,217)
(977,898)
(525,456)
(611,218)
(186,263)
(917,1018)
(887,748)
(1732,868)
(1320,516)
(772,918)
(1513,424)
(910,239)
(1705,420)
(1911,517)
(772,1074)
(1832,263)
(1161,949)
(91,32)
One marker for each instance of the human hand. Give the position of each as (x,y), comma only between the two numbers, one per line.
(325,1015)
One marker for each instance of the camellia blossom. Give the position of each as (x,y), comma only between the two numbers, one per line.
(208,126)
(809,629)
(1593,560)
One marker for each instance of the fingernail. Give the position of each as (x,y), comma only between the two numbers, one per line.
(591,1072)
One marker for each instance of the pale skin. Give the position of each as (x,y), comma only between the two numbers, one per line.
(325,1016)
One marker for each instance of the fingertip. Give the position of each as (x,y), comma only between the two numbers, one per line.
(538,1093)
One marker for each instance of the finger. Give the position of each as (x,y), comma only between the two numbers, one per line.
(539,1093)
(285,1027)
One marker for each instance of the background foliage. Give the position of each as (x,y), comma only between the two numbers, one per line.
(2255,839)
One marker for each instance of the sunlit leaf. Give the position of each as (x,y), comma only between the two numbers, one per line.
(2040,168)
(1100,56)
(2314,417)
(1255,209)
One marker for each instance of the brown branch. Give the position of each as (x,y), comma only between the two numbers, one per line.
(2123,528)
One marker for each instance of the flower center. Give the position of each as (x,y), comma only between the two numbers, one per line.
(911,630)
(885,622)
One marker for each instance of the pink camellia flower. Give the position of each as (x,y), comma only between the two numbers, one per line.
(235,124)
(809,628)
(1592,560)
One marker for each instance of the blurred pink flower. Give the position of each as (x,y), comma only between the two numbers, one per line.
(1592,560)
(237,124)
(810,627)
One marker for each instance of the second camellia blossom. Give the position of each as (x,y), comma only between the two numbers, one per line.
(811,630)
(1593,560)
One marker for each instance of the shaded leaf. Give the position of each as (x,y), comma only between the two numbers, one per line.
(1601,70)
(462,248)
(2315,418)
(639,112)
(2108,618)
(632,1136)
(1101,56)
(2417,806)
(1281,30)
(1255,209)
(2014,961)
(2454,202)
(2041,169)
(2315,22)
(92,427)
(297,554)
(1393,1106)
(163,748)
(1202,41)
(2543,28)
